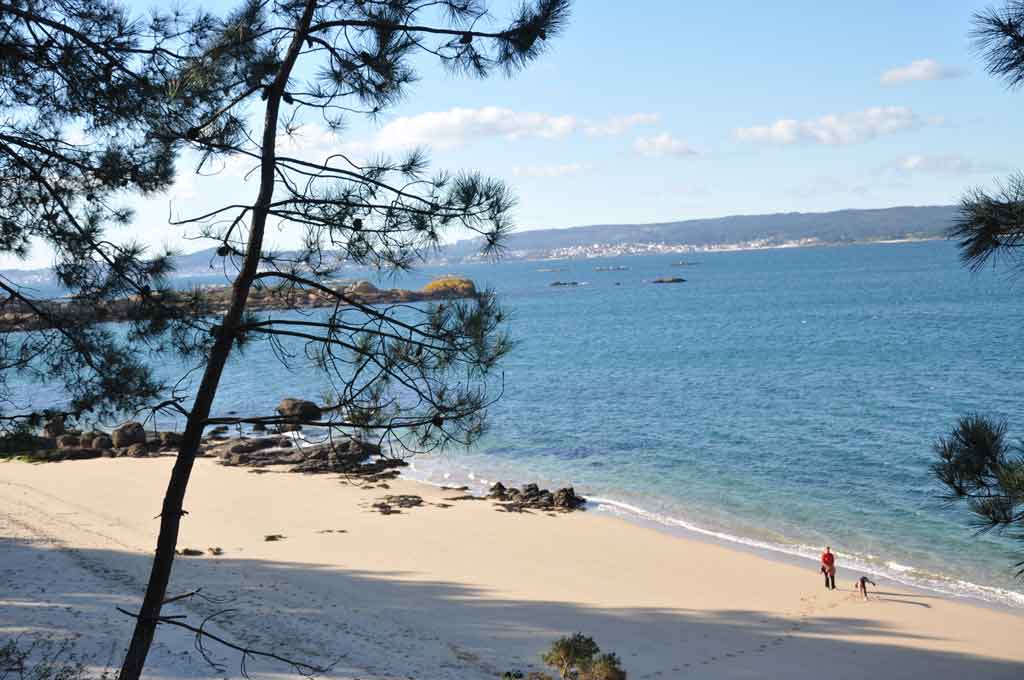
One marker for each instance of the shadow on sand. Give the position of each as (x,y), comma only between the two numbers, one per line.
(395,624)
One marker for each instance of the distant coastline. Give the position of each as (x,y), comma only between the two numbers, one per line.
(599,251)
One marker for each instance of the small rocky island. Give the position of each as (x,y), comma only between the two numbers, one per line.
(214,301)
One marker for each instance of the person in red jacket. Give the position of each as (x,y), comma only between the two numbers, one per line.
(828,568)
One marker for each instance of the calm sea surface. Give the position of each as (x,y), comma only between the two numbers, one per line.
(784,399)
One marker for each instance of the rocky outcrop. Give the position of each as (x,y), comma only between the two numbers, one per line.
(169,439)
(54,427)
(352,457)
(214,300)
(669,279)
(299,411)
(140,450)
(128,434)
(68,441)
(102,442)
(72,453)
(534,498)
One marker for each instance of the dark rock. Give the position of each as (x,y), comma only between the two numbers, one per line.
(68,441)
(54,427)
(566,499)
(169,438)
(403,501)
(259,427)
(77,453)
(191,552)
(358,447)
(128,434)
(219,431)
(139,450)
(250,445)
(273,537)
(532,497)
(669,279)
(25,444)
(299,411)
(102,442)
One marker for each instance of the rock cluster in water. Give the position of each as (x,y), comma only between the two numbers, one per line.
(533,497)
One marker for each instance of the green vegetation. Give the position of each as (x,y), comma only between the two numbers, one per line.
(577,657)
(976,463)
(98,105)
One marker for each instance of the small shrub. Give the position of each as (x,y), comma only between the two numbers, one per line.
(452,286)
(577,657)
(604,667)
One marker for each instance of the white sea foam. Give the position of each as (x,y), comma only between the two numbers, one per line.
(894,571)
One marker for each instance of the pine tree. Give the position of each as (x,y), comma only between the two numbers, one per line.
(98,105)
(975,462)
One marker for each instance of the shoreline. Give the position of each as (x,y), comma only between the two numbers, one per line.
(988,596)
(782,555)
(455,588)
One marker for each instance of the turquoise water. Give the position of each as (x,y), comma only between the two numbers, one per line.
(785,399)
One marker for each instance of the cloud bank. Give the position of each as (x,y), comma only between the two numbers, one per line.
(919,70)
(943,164)
(458,127)
(838,128)
(662,145)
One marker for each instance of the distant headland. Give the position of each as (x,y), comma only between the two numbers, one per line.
(215,300)
(736,232)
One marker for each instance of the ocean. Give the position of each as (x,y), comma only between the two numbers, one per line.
(780,399)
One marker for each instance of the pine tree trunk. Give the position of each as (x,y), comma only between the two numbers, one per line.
(170,517)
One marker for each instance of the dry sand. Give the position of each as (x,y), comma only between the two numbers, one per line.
(451,589)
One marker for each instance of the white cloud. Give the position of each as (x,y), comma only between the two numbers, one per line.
(948,164)
(551,170)
(662,145)
(457,127)
(617,125)
(920,69)
(839,128)
(460,126)
(441,131)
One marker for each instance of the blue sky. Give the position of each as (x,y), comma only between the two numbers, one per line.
(664,110)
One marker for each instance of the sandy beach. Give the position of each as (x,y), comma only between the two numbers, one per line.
(449,589)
